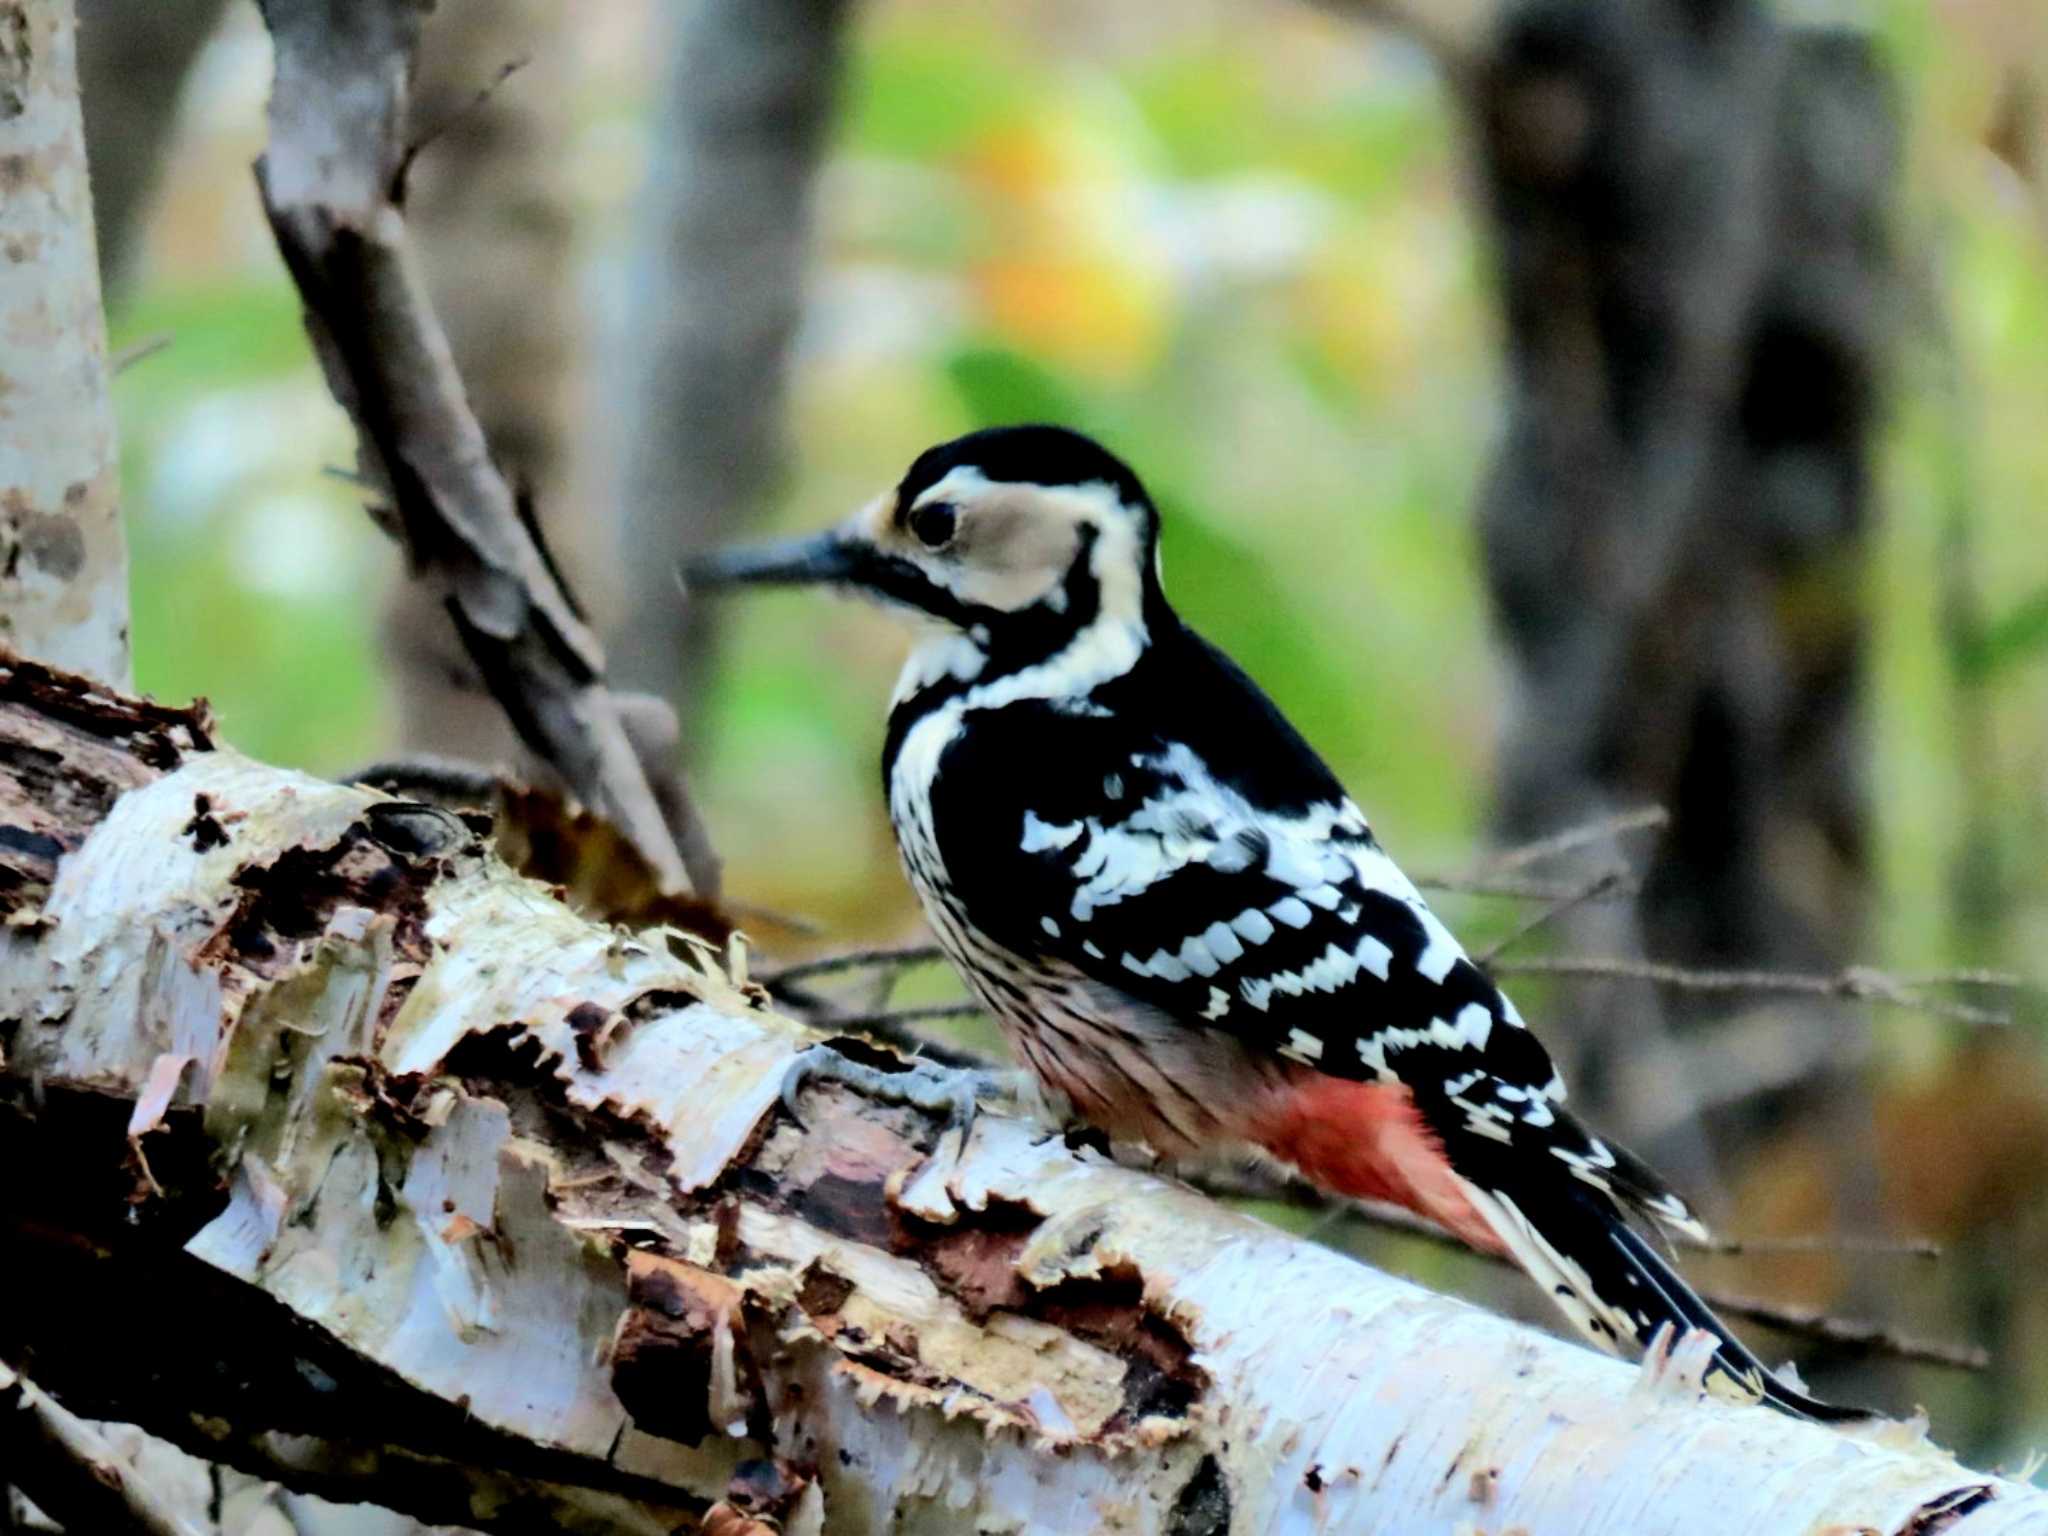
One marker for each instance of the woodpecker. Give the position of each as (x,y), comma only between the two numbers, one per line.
(1186,930)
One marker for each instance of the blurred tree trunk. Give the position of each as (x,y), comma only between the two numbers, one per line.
(132,64)
(63,558)
(1689,205)
(489,199)
(713,302)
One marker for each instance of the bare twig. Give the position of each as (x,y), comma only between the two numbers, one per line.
(1641,819)
(1851,1335)
(896,956)
(468,109)
(1856,983)
(898,1018)
(1522,887)
(1872,1247)
(138,351)
(1590,890)
(329,181)
(68,1469)
(1968,976)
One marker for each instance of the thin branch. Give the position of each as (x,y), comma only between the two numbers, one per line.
(138,351)
(1590,890)
(468,109)
(329,180)
(1522,887)
(897,1018)
(1848,1334)
(1968,976)
(72,1474)
(1642,819)
(1856,983)
(895,956)
(1870,1247)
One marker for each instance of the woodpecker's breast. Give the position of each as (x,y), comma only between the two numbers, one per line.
(1138,1075)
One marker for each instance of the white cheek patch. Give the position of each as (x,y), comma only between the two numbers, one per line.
(1016,543)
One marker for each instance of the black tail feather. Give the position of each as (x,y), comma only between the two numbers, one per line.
(1574,1241)
(1685,1309)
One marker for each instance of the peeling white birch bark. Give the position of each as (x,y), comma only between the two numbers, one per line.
(536,1167)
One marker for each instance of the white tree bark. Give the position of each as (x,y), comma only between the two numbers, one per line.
(63,561)
(511,1231)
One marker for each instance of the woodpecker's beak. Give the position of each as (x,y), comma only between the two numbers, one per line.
(830,558)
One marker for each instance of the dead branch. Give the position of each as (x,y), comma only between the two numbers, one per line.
(1589,890)
(881,957)
(1850,1333)
(1856,983)
(69,1470)
(332,182)
(1600,829)
(514,1233)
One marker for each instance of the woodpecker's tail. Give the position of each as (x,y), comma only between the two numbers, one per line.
(1573,1240)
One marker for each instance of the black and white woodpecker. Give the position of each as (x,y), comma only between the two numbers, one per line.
(1185,928)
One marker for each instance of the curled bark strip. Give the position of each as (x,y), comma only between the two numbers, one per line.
(409,1237)
(332,182)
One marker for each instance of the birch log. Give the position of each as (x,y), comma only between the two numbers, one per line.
(359,1160)
(63,560)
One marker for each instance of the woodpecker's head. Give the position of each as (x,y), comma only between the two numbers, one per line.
(1012,536)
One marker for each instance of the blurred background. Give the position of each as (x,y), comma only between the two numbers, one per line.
(1561,406)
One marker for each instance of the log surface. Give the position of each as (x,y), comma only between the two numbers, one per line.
(363,1161)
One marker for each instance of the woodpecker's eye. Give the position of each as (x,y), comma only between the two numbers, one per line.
(933,523)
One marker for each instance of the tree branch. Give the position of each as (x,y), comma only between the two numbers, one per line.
(1856,983)
(332,183)
(70,1471)
(514,1226)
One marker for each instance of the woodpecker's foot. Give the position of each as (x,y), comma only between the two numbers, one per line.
(952,1095)
(1078,1136)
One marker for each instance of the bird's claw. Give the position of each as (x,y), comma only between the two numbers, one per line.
(949,1094)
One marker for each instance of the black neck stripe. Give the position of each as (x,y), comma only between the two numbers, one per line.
(1016,642)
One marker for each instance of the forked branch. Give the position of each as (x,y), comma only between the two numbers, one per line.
(333,184)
